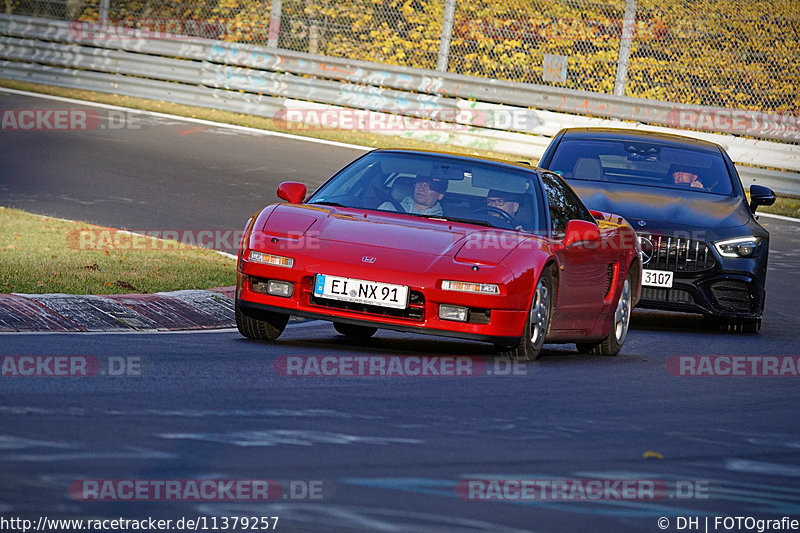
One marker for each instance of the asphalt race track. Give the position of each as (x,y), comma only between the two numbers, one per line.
(369,453)
(137,171)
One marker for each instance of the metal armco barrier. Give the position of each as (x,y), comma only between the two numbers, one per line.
(471,111)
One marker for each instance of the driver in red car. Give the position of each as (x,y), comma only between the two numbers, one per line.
(505,201)
(425,199)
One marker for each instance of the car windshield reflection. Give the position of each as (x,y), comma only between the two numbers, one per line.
(643,163)
(439,187)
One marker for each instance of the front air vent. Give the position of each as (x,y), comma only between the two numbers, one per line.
(662,252)
(732,295)
(609,278)
(673,296)
(415,310)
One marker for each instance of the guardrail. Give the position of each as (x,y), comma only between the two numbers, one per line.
(273,83)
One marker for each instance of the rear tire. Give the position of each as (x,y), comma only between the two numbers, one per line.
(354,331)
(538,324)
(267,327)
(620,322)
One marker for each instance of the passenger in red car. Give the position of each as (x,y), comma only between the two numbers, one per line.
(425,198)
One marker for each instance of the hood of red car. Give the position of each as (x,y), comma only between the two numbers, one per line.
(372,230)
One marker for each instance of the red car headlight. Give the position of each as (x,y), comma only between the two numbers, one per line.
(466,286)
(270,259)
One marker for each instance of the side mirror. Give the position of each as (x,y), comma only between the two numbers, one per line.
(292,191)
(760,195)
(580,231)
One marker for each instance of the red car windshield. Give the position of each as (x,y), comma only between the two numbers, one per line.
(642,163)
(435,186)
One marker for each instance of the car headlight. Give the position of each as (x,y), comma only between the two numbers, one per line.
(741,247)
(269,259)
(466,286)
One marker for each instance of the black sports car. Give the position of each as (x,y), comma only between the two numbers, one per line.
(702,249)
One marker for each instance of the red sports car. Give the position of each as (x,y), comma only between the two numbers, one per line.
(441,244)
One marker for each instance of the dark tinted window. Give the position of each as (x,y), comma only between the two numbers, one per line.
(563,205)
(642,163)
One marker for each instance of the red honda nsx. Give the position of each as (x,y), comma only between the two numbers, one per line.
(441,244)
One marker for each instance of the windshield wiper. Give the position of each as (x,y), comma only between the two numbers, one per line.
(456,219)
(432,217)
(332,204)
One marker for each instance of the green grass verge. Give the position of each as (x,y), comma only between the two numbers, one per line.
(789,207)
(41,255)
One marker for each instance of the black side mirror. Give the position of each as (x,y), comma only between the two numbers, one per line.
(760,195)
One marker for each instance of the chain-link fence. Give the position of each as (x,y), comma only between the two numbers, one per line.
(742,54)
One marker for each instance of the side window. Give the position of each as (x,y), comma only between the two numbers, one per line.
(563,205)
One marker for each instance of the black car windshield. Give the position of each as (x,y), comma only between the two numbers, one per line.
(435,186)
(642,163)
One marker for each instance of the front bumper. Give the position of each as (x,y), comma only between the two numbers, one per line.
(704,281)
(724,295)
(492,318)
(253,308)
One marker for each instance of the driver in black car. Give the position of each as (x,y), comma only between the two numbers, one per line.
(686,178)
(504,201)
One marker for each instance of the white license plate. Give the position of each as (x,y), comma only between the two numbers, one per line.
(361,291)
(657,278)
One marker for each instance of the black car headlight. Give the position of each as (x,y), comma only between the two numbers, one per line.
(739,247)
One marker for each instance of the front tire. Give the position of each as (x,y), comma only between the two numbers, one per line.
(266,327)
(620,322)
(354,331)
(538,323)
